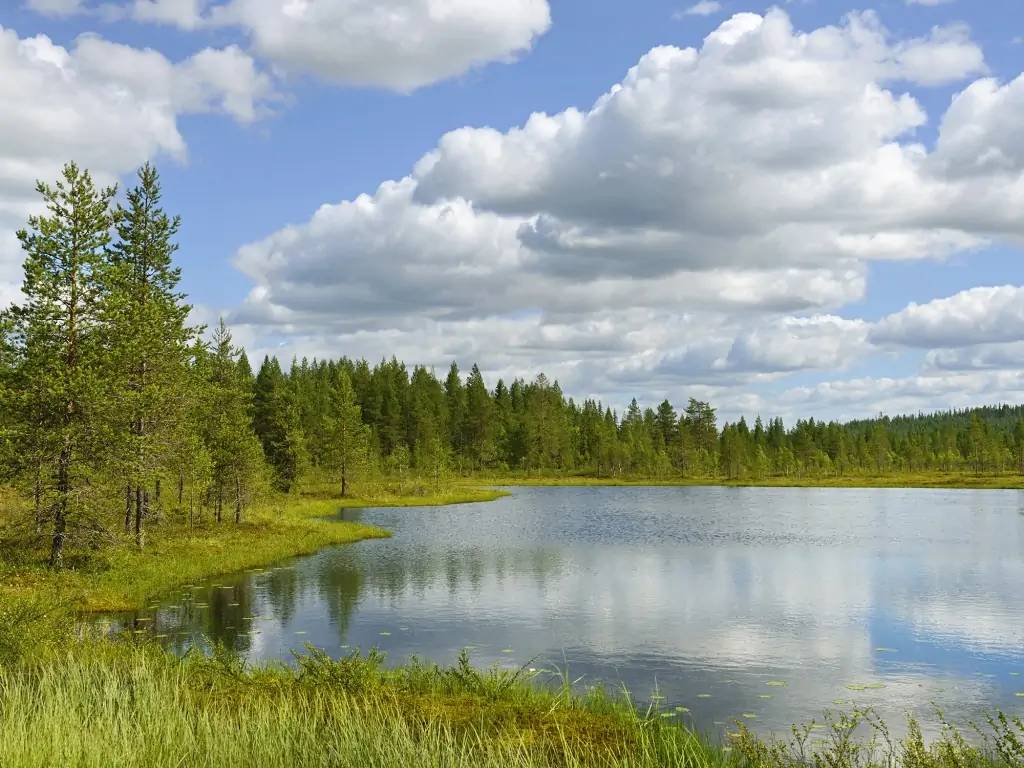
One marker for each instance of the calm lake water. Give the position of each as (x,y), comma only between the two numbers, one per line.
(764,604)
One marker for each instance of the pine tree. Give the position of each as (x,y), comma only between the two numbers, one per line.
(57,345)
(149,340)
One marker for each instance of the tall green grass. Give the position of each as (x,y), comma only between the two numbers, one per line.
(91,702)
(111,704)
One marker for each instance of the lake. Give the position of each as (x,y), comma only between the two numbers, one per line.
(767,604)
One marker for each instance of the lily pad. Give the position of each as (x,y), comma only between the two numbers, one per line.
(865,686)
(777,683)
(703,695)
(749,716)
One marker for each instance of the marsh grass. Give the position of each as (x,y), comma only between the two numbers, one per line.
(860,739)
(104,703)
(93,702)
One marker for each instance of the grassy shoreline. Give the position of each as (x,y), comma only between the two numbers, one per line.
(950,480)
(125,703)
(70,698)
(122,578)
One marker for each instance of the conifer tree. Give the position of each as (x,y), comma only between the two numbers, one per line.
(149,340)
(348,437)
(277,422)
(56,342)
(234,450)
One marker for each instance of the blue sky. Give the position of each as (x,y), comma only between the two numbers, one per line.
(661,285)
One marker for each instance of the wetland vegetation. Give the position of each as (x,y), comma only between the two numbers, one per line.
(140,454)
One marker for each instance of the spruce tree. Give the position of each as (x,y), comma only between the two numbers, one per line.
(235,452)
(348,437)
(277,422)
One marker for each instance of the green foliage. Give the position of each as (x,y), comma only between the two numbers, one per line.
(111,410)
(58,385)
(860,739)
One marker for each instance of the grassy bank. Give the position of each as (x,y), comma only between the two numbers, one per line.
(900,480)
(119,703)
(120,577)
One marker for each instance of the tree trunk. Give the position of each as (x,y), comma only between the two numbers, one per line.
(181,487)
(238,500)
(37,498)
(60,520)
(220,500)
(128,509)
(139,513)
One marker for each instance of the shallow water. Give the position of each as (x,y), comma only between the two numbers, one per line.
(765,604)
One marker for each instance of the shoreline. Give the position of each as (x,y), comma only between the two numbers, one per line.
(949,481)
(125,579)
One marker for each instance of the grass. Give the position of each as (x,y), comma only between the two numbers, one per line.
(895,480)
(118,703)
(124,703)
(69,698)
(120,577)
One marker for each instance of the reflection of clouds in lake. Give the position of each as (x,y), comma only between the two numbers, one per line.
(705,590)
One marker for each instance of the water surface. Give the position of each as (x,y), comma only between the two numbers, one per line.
(766,604)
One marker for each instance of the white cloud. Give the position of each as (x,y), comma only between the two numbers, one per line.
(863,397)
(947,55)
(974,316)
(1008,356)
(929,2)
(694,228)
(703,8)
(56,8)
(980,130)
(186,14)
(397,44)
(110,107)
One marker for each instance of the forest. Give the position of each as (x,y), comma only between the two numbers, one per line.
(115,411)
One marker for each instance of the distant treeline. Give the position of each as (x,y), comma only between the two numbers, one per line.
(417,421)
(114,410)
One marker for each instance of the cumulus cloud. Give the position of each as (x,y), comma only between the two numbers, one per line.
(110,107)
(979,133)
(859,397)
(696,227)
(978,357)
(396,44)
(974,316)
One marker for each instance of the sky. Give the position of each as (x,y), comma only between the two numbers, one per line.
(805,209)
